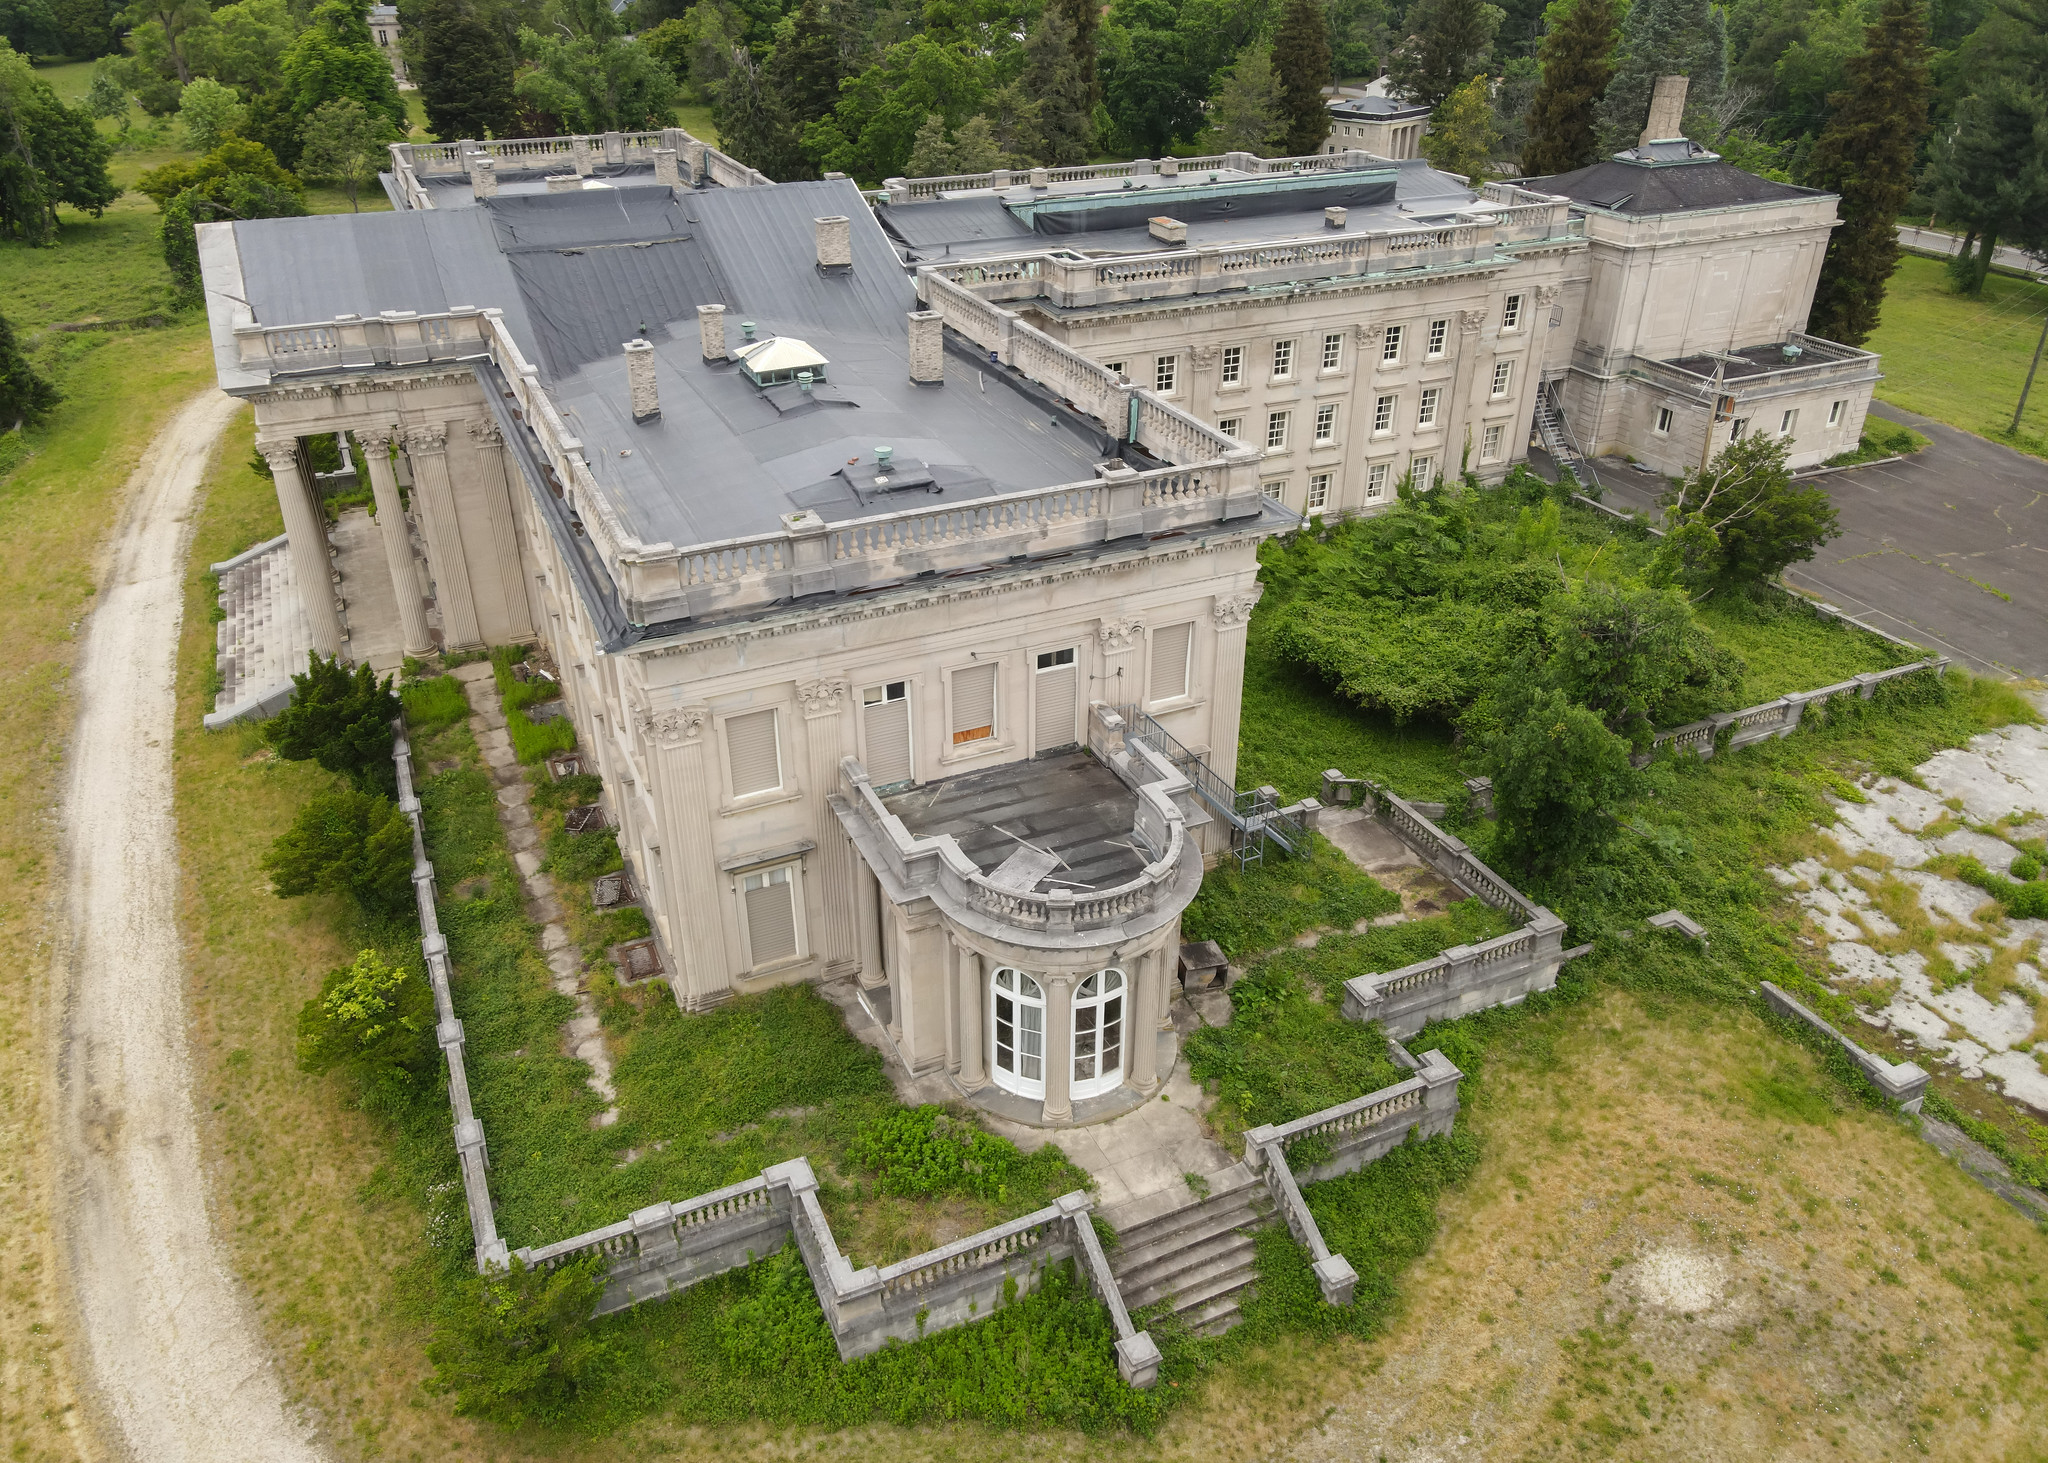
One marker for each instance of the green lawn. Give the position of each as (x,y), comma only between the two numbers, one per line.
(1959,360)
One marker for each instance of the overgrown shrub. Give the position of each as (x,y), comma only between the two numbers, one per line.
(2027,900)
(517,1345)
(1267,905)
(340,719)
(1560,778)
(923,1152)
(374,1021)
(348,842)
(580,856)
(432,704)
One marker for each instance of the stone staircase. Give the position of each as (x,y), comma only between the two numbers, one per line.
(1195,1253)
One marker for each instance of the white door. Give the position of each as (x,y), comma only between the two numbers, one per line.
(1098,1033)
(1055,694)
(1017,1016)
(885,714)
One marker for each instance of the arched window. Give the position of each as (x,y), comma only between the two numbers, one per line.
(1017,1012)
(1098,1033)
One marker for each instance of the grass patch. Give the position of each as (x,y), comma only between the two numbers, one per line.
(1268,904)
(1786,645)
(1880,439)
(433,704)
(1962,360)
(533,742)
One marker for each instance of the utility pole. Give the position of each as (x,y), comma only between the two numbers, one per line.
(1714,400)
(2024,390)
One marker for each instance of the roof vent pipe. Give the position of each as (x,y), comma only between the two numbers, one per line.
(640,387)
(835,241)
(746,330)
(883,457)
(711,331)
(927,347)
(1667,111)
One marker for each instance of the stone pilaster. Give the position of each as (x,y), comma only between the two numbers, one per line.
(1464,411)
(495,479)
(1120,642)
(1059,1046)
(427,446)
(676,752)
(1229,614)
(1141,1040)
(971,975)
(397,537)
(307,526)
(827,707)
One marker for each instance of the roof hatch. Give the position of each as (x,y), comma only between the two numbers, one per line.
(777,360)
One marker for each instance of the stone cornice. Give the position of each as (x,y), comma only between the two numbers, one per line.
(322,388)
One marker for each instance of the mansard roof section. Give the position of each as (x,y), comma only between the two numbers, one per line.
(1655,179)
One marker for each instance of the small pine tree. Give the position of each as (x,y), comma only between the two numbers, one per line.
(340,719)
(1301,58)
(1062,88)
(1578,61)
(1083,20)
(1986,176)
(1686,38)
(1462,135)
(25,396)
(805,70)
(1447,41)
(346,842)
(464,72)
(751,123)
(1245,113)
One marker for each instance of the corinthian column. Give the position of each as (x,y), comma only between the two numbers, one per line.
(675,741)
(427,446)
(307,526)
(827,704)
(391,527)
(1229,613)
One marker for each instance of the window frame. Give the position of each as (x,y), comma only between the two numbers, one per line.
(1429,408)
(782,787)
(1274,488)
(1490,442)
(1788,422)
(1231,427)
(1165,374)
(1230,371)
(1511,314)
(954,738)
(1661,423)
(1038,669)
(1317,499)
(1503,380)
(1428,474)
(1325,434)
(1377,476)
(1278,422)
(1390,346)
(1836,411)
(799,931)
(1283,359)
(1439,339)
(1383,411)
(1333,351)
(1187,670)
(909,718)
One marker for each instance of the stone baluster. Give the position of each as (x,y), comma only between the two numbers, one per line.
(307,525)
(427,446)
(675,760)
(397,537)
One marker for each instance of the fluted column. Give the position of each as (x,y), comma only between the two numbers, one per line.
(1141,1040)
(375,443)
(827,704)
(867,915)
(1059,1047)
(1229,614)
(676,753)
(427,446)
(967,1003)
(307,526)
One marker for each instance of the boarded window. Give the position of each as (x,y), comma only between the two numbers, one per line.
(974,704)
(885,717)
(1055,695)
(750,748)
(771,914)
(1170,649)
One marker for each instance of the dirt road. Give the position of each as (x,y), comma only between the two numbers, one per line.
(178,1370)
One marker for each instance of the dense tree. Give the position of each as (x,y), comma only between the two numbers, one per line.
(588,72)
(244,45)
(1989,175)
(106,98)
(1557,774)
(30,27)
(335,57)
(1301,60)
(1153,83)
(346,842)
(1245,115)
(171,20)
(1447,41)
(1462,138)
(1662,38)
(1358,36)
(870,133)
(464,71)
(806,69)
(1866,155)
(25,396)
(1082,22)
(340,719)
(240,179)
(1637,657)
(1578,60)
(49,154)
(1745,519)
(971,149)
(752,125)
(85,28)
(516,1344)
(345,145)
(1062,89)
(209,113)
(373,1021)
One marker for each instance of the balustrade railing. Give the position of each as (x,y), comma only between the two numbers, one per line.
(1782,717)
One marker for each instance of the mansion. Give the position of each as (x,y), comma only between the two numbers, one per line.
(896,550)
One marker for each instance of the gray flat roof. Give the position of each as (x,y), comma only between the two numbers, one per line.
(452,191)
(1067,804)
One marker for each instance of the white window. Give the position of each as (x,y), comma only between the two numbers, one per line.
(1489,445)
(1788,424)
(1318,493)
(769,896)
(885,721)
(1233,365)
(1736,432)
(1172,646)
(1275,488)
(1055,696)
(1663,421)
(1276,431)
(1425,414)
(1439,330)
(1383,415)
(1835,413)
(751,753)
(1376,481)
(1231,426)
(1115,368)
(1326,423)
(1511,313)
(1017,1016)
(1283,359)
(1503,373)
(1163,372)
(1098,1033)
(1421,473)
(974,703)
(1390,348)
(1333,351)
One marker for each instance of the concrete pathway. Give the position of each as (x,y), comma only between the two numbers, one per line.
(1936,241)
(374,632)
(180,1367)
(582,1034)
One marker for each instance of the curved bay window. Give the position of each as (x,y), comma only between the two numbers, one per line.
(1098,1033)
(1017,1012)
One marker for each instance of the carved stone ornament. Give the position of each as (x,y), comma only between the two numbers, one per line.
(484,432)
(827,697)
(427,437)
(1546,295)
(375,439)
(1231,611)
(1368,334)
(674,728)
(280,454)
(1119,635)
(1204,355)
(1469,321)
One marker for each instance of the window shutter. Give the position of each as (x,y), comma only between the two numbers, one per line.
(974,703)
(1054,712)
(750,747)
(1170,661)
(771,918)
(888,729)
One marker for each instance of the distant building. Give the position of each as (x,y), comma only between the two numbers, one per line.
(1387,126)
(384,30)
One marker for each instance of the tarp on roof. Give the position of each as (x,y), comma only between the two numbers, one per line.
(1122,211)
(942,221)
(1645,189)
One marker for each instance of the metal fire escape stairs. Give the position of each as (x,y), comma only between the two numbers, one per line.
(1558,439)
(1257,821)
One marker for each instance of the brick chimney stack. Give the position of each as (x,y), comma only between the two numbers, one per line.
(711,331)
(1667,111)
(640,385)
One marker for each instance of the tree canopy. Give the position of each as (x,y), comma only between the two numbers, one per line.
(49,154)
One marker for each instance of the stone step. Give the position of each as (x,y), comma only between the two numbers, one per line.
(1225,1272)
(1217,1317)
(1136,1264)
(1155,1216)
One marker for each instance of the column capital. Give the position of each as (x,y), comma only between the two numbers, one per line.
(1120,634)
(427,437)
(1469,321)
(378,437)
(824,697)
(1234,611)
(279,451)
(484,432)
(677,728)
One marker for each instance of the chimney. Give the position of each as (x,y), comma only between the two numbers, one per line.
(1041,177)
(564,183)
(711,331)
(1333,218)
(665,171)
(693,155)
(1667,111)
(483,177)
(640,387)
(835,241)
(1168,230)
(927,348)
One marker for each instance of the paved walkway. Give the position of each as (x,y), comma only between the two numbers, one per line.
(1935,241)
(374,632)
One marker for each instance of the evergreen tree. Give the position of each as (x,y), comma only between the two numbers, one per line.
(1245,113)
(1578,60)
(1447,41)
(340,719)
(464,71)
(1462,137)
(1062,89)
(1989,176)
(1083,19)
(49,154)
(1301,57)
(805,69)
(1686,38)
(752,126)
(25,396)
(1866,154)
